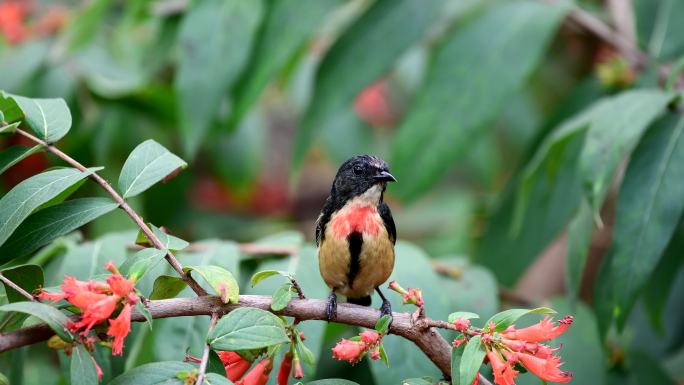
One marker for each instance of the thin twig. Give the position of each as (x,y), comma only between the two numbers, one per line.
(16,287)
(245,248)
(205,355)
(125,207)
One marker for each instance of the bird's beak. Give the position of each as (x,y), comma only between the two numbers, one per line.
(384,176)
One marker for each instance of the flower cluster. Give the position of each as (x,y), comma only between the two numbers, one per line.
(354,349)
(523,346)
(409,296)
(98,302)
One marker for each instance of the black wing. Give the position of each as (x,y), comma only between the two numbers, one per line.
(322,220)
(386,216)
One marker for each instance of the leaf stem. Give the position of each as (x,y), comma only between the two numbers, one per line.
(16,287)
(170,258)
(205,355)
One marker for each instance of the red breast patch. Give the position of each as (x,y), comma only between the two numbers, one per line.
(360,218)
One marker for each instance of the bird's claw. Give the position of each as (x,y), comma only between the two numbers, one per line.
(386,309)
(331,308)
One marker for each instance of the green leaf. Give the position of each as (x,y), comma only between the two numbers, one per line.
(9,128)
(286,28)
(50,119)
(417,381)
(84,27)
(17,204)
(28,277)
(168,241)
(647,369)
(648,210)
(216,379)
(51,316)
(247,328)
(10,109)
(472,358)
(261,275)
(466,86)
(461,314)
(53,222)
(384,32)
(383,355)
(136,265)
(580,230)
(220,279)
(154,374)
(332,381)
(383,323)
(14,155)
(282,297)
(142,309)
(83,371)
(19,63)
(215,38)
(456,356)
(304,352)
(149,163)
(508,317)
(166,286)
(215,365)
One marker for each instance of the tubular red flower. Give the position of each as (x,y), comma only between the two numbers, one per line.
(546,369)
(370,337)
(119,329)
(96,313)
(350,351)
(285,369)
(47,296)
(542,331)
(259,373)
(504,374)
(235,365)
(459,342)
(119,285)
(297,371)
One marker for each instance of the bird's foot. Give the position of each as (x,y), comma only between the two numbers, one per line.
(385,308)
(331,308)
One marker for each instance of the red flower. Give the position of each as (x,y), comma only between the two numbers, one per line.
(235,365)
(504,374)
(542,331)
(459,342)
(284,370)
(347,350)
(119,285)
(96,313)
(546,369)
(370,337)
(375,354)
(259,374)
(119,329)
(297,368)
(98,368)
(461,324)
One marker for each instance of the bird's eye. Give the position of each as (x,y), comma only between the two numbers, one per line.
(358,170)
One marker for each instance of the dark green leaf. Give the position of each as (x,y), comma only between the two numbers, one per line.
(154,374)
(658,27)
(50,119)
(332,381)
(14,155)
(416,381)
(215,41)
(462,315)
(261,275)
(385,31)
(648,370)
(136,265)
(51,316)
(282,297)
(465,87)
(648,210)
(508,317)
(220,279)
(383,323)
(456,355)
(580,230)
(287,26)
(17,204)
(51,223)
(149,163)
(215,365)
(83,371)
(28,277)
(473,354)
(247,328)
(166,286)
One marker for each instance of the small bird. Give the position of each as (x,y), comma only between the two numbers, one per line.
(355,234)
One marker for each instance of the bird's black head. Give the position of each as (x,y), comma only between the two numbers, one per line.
(359,175)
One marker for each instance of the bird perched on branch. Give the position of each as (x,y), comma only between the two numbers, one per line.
(355,234)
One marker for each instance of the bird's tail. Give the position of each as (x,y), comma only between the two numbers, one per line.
(363,301)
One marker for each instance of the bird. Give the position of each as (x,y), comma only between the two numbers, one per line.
(355,234)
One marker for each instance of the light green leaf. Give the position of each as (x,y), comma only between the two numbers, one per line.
(155,373)
(50,119)
(261,275)
(53,222)
(216,379)
(383,323)
(83,371)
(215,39)
(461,314)
(14,155)
(580,230)
(166,286)
(220,279)
(17,204)
(332,381)
(417,381)
(384,32)
(508,317)
(473,354)
(456,355)
(282,297)
(136,265)
(10,109)
(168,241)
(19,63)
(383,355)
(9,128)
(149,163)
(304,352)
(466,86)
(50,315)
(247,328)
(28,277)
(648,210)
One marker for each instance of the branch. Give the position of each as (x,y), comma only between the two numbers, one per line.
(205,355)
(124,205)
(435,347)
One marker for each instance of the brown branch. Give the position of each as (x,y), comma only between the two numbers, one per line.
(205,355)
(435,347)
(125,207)
(16,287)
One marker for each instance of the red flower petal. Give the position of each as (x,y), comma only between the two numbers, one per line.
(235,365)
(542,331)
(119,329)
(546,369)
